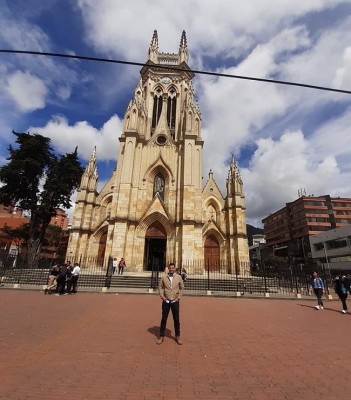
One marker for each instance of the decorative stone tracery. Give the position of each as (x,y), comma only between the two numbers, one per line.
(155,205)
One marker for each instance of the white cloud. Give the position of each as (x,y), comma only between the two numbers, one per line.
(343,74)
(333,137)
(237,110)
(64,93)
(214,27)
(19,34)
(27,91)
(65,137)
(280,168)
(286,41)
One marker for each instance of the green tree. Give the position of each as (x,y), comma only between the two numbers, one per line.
(37,180)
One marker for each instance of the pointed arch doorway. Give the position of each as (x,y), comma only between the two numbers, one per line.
(155,247)
(212,254)
(101,249)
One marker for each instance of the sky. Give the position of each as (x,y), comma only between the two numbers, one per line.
(284,138)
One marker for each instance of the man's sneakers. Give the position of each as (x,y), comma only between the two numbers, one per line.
(178,340)
(344,311)
(316,307)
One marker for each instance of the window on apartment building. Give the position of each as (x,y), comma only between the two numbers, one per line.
(300,221)
(297,231)
(314,203)
(339,204)
(317,219)
(336,243)
(316,211)
(318,246)
(319,228)
(343,221)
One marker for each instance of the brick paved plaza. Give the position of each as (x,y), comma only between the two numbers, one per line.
(97,346)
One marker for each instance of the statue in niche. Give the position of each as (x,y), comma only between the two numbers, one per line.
(159,186)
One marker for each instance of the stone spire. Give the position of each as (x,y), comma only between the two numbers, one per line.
(153,49)
(90,175)
(234,181)
(183,49)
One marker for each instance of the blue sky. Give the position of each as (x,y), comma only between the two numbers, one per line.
(284,138)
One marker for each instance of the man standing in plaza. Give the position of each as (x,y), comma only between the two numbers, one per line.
(171,288)
(74,278)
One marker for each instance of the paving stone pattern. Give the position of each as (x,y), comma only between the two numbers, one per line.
(103,346)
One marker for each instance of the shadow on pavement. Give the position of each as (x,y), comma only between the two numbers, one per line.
(325,308)
(155,330)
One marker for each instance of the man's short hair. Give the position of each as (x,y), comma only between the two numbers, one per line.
(171,264)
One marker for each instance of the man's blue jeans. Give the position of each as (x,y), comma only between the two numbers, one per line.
(175,312)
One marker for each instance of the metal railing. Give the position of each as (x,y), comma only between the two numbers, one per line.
(275,279)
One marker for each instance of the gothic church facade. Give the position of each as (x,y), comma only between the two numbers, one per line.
(155,209)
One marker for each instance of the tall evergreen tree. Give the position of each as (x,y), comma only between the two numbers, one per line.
(38,181)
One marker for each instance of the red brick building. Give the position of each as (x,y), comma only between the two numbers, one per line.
(60,220)
(287,228)
(14,218)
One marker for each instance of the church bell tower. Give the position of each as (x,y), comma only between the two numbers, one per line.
(154,210)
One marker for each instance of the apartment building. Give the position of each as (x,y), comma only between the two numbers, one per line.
(333,248)
(288,229)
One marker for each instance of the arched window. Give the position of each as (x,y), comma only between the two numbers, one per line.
(159,186)
(172,109)
(156,113)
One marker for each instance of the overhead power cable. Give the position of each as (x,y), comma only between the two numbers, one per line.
(168,67)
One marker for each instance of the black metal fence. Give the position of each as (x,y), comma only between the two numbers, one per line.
(280,279)
(265,278)
(14,270)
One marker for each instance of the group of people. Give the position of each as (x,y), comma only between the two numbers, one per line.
(341,287)
(63,279)
(120,265)
(182,272)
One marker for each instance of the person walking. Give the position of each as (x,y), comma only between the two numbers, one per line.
(114,265)
(121,266)
(340,286)
(318,287)
(170,288)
